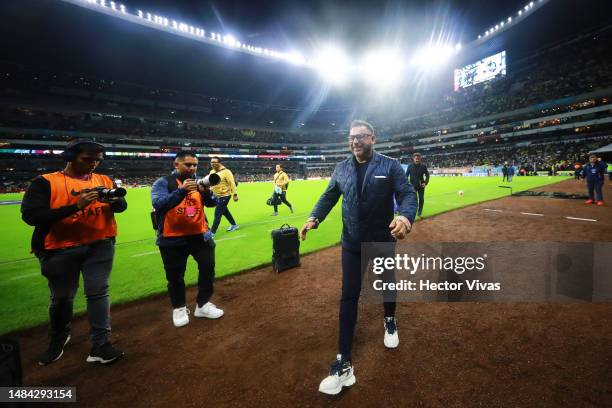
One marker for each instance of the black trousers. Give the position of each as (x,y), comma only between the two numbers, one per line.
(175,263)
(353,271)
(222,210)
(421,194)
(595,187)
(62,268)
(283,198)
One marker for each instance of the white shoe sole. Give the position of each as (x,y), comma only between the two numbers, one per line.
(180,324)
(349,381)
(100,360)
(207,316)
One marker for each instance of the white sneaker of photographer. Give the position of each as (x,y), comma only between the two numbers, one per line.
(180,316)
(209,311)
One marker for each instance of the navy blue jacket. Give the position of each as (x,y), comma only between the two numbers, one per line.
(383,180)
(163,201)
(594,173)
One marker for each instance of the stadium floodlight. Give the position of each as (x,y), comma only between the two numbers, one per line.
(458,47)
(527,7)
(497,26)
(501,24)
(229,40)
(382,68)
(333,65)
(531,4)
(520,12)
(509,19)
(479,36)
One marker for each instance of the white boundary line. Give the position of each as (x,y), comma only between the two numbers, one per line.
(217,240)
(581,219)
(490,209)
(29,275)
(535,214)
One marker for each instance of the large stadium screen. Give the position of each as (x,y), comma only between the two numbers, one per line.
(481,71)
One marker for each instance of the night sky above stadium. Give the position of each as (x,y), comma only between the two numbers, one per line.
(53,35)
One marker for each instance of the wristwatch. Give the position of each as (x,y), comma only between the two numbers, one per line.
(315,220)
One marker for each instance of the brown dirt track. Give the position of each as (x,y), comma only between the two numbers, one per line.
(278,336)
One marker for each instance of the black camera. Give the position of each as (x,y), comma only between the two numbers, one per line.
(103,192)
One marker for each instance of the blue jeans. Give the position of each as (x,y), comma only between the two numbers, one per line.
(62,268)
(221,210)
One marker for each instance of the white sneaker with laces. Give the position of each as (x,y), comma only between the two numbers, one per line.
(340,375)
(391,339)
(208,310)
(180,316)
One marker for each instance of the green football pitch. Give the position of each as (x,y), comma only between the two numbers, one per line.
(138,270)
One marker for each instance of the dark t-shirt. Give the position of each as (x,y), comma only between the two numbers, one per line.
(361,172)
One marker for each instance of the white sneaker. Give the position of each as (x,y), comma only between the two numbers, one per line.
(340,375)
(209,311)
(391,336)
(180,316)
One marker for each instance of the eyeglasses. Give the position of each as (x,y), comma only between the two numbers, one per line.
(360,137)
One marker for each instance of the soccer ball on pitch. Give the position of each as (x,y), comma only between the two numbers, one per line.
(460,192)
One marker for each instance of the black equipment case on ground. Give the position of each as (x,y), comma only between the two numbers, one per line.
(10,364)
(285,248)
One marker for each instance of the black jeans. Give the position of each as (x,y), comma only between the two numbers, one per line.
(221,210)
(175,262)
(283,198)
(352,275)
(62,269)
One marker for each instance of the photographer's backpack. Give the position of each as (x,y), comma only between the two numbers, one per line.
(10,364)
(285,248)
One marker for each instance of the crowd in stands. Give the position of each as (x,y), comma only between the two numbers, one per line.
(571,69)
(543,156)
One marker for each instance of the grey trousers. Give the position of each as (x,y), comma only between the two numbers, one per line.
(62,268)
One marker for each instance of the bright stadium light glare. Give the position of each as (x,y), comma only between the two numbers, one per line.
(333,66)
(520,12)
(531,4)
(382,68)
(433,57)
(509,19)
(458,47)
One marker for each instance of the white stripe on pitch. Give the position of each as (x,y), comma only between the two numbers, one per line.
(216,240)
(489,209)
(581,219)
(537,215)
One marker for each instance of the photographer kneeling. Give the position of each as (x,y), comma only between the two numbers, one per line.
(75,233)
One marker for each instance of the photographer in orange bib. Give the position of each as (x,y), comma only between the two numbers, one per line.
(72,212)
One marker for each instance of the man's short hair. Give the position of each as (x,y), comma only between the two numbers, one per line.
(216,158)
(416,155)
(184,153)
(592,155)
(359,122)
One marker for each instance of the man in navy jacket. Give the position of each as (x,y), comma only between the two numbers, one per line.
(368,182)
(594,172)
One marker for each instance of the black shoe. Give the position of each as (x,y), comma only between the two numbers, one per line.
(104,354)
(55,350)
